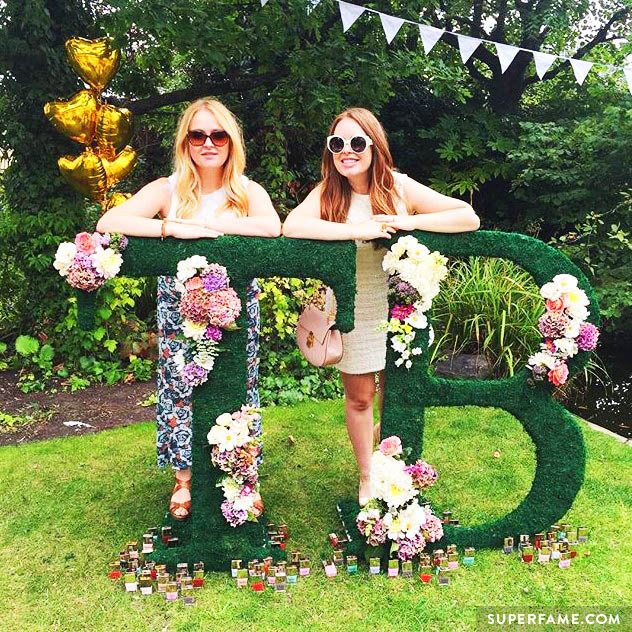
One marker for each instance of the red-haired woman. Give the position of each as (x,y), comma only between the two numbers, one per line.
(361,197)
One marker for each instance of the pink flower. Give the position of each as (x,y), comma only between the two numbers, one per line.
(402,312)
(558,374)
(194,284)
(557,305)
(588,337)
(391,446)
(223,307)
(85,243)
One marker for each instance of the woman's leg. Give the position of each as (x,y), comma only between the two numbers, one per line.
(359,394)
(377,429)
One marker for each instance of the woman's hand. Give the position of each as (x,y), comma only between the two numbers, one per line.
(396,222)
(189,229)
(371,229)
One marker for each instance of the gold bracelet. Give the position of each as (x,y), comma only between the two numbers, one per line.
(163,229)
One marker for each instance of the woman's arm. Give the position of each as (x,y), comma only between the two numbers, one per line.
(433,212)
(135,217)
(304,222)
(262,220)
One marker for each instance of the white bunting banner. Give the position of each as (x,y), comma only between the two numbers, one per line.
(467,46)
(543,61)
(429,36)
(580,69)
(391,26)
(627,71)
(506,54)
(349,13)
(311,5)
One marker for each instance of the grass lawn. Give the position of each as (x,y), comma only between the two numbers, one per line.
(69,505)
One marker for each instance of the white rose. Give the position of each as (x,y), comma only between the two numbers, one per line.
(578,312)
(567,347)
(66,252)
(224,419)
(417,320)
(572,331)
(543,358)
(189,267)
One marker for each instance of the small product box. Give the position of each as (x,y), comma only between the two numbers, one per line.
(468,556)
(131,584)
(393,568)
(352,564)
(508,545)
(425,574)
(292,574)
(330,569)
(242,578)
(235,565)
(407,568)
(374,565)
(304,567)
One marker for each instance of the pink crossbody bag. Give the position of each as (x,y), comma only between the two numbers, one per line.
(316,336)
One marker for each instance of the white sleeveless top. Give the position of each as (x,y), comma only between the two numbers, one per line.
(364,348)
(210,203)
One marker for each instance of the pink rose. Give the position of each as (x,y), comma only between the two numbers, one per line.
(257,506)
(557,305)
(85,243)
(194,284)
(391,446)
(558,374)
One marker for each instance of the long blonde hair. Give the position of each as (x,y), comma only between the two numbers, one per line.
(188,187)
(335,194)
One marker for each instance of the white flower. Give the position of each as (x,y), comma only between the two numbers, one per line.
(389,263)
(399,362)
(566,347)
(575,297)
(394,528)
(231,488)
(66,252)
(418,252)
(543,358)
(550,291)
(389,482)
(189,267)
(408,364)
(417,319)
(204,359)
(408,242)
(417,351)
(107,262)
(579,312)
(227,438)
(412,519)
(193,330)
(397,344)
(431,336)
(572,331)
(225,419)
(565,282)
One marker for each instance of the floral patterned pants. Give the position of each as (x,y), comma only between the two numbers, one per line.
(174,411)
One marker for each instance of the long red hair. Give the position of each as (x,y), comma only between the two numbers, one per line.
(335,193)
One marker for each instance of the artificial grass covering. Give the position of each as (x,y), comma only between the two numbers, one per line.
(69,505)
(559,448)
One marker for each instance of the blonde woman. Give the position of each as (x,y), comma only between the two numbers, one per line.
(361,197)
(207,196)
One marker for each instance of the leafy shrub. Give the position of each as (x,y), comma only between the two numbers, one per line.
(285,376)
(490,307)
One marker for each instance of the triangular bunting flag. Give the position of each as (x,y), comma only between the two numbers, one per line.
(467,45)
(429,36)
(543,62)
(506,55)
(349,13)
(264,2)
(391,26)
(627,71)
(580,68)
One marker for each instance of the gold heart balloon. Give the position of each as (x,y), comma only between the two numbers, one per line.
(86,173)
(113,129)
(95,61)
(74,117)
(120,166)
(117,198)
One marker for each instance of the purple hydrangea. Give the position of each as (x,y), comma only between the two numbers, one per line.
(409,547)
(588,337)
(234,517)
(403,290)
(123,242)
(213,333)
(215,278)
(193,374)
(553,324)
(539,371)
(378,534)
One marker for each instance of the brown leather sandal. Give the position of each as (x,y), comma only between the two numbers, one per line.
(186,505)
